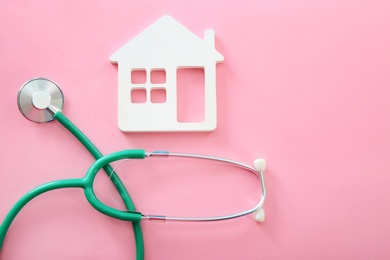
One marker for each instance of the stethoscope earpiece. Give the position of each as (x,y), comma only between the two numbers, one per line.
(39,98)
(260,165)
(259,215)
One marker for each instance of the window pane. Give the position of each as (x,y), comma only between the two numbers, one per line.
(138,76)
(138,95)
(158,76)
(158,95)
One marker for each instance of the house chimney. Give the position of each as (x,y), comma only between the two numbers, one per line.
(209,38)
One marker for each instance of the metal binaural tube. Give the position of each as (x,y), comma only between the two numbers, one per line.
(259,174)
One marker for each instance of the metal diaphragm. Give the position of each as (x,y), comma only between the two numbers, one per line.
(39,98)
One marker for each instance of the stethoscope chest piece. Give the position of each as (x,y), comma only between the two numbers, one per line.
(38,98)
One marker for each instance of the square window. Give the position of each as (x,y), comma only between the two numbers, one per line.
(158,95)
(138,76)
(158,76)
(138,95)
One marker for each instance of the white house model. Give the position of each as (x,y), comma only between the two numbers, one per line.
(162,49)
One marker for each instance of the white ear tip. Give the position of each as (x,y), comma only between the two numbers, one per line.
(259,215)
(260,165)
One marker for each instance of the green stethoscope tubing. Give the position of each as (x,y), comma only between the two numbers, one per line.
(86,183)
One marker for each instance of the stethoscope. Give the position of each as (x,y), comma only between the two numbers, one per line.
(41,100)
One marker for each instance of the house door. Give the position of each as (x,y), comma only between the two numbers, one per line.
(190,95)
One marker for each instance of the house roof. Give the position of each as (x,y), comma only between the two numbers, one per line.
(166,40)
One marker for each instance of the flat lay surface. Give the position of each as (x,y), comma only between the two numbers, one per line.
(304,84)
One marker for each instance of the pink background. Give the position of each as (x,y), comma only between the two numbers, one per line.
(304,84)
